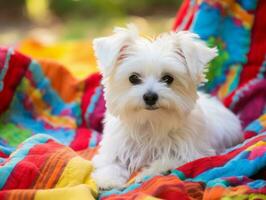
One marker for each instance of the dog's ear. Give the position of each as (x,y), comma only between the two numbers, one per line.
(196,53)
(110,50)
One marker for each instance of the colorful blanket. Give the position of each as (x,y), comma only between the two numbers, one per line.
(50,122)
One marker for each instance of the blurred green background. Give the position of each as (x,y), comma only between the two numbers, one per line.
(57,20)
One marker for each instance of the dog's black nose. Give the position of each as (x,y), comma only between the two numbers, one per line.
(150,98)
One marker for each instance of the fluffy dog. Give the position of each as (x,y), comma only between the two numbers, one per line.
(156,120)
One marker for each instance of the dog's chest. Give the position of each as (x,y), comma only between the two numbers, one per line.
(141,150)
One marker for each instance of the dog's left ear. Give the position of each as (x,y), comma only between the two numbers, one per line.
(197,54)
(110,50)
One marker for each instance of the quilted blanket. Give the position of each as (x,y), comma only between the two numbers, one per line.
(51,122)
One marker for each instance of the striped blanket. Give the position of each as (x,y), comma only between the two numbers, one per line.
(51,122)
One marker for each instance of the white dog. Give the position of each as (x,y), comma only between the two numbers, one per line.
(155,119)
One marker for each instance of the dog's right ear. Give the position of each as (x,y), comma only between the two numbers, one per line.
(110,50)
(196,53)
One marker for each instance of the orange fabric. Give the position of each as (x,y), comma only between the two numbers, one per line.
(62,81)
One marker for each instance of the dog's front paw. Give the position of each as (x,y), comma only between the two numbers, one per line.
(109,177)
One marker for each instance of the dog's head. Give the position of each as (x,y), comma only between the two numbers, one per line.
(151,78)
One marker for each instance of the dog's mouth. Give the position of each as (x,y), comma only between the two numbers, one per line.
(151,108)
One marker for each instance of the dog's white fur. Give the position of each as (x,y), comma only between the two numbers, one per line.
(187,124)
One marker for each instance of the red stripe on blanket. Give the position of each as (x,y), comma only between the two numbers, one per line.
(185,16)
(2,155)
(81,140)
(191,17)
(3,195)
(257,50)
(26,172)
(90,85)
(199,166)
(251,103)
(181,14)
(17,67)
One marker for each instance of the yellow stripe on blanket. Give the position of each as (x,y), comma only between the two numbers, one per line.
(80,192)
(77,171)
(74,183)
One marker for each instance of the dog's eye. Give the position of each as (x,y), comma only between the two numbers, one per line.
(167,79)
(135,79)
